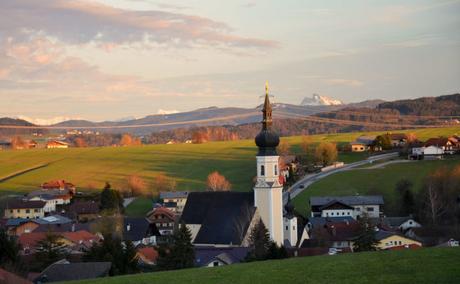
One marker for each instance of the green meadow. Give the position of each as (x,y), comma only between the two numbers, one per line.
(433,265)
(189,164)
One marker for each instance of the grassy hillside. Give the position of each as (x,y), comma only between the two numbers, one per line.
(189,164)
(372,181)
(421,266)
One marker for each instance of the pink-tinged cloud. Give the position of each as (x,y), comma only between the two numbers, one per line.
(78,22)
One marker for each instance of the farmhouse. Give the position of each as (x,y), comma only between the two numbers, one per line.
(56,144)
(176,200)
(84,210)
(341,206)
(441,143)
(388,240)
(164,219)
(365,143)
(398,139)
(59,185)
(26,209)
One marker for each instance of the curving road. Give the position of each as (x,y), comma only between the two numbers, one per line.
(309,179)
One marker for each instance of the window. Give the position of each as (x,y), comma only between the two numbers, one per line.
(293,228)
(343,213)
(215,263)
(262,170)
(11,211)
(276,170)
(27,211)
(370,209)
(287,228)
(35,210)
(358,209)
(19,210)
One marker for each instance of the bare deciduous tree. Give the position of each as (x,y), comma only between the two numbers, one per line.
(326,153)
(283,148)
(137,185)
(217,182)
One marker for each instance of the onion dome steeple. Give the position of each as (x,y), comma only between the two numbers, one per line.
(267,140)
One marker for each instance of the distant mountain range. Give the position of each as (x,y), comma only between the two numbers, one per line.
(214,116)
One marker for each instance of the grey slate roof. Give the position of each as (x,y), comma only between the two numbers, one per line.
(74,271)
(175,194)
(205,255)
(24,204)
(140,228)
(321,221)
(381,234)
(53,219)
(349,200)
(224,216)
(395,221)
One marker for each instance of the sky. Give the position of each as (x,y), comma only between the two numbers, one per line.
(113,59)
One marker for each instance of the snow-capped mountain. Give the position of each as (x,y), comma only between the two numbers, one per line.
(317,100)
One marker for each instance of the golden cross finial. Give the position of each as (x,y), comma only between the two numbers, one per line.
(266,88)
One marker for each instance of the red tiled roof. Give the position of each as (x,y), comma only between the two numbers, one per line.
(148,253)
(436,142)
(80,236)
(30,240)
(57,184)
(7,277)
(163,210)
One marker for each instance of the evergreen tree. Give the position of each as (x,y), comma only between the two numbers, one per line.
(366,240)
(276,252)
(180,253)
(9,252)
(406,198)
(111,199)
(50,250)
(259,242)
(122,256)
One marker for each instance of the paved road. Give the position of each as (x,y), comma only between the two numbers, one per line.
(309,179)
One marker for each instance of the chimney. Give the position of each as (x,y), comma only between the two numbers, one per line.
(128,227)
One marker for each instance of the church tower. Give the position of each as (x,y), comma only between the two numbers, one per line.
(268,192)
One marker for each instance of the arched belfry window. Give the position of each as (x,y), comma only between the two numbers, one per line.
(276,170)
(262,170)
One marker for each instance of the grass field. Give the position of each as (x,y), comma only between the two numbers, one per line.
(435,265)
(188,164)
(372,181)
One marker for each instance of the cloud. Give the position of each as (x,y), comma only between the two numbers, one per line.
(81,22)
(164,111)
(344,82)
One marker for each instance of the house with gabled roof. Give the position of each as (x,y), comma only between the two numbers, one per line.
(66,271)
(21,208)
(388,240)
(371,205)
(164,219)
(219,256)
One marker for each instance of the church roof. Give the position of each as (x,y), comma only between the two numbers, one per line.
(224,216)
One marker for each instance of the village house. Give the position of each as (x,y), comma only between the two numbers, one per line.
(341,206)
(338,234)
(398,139)
(175,199)
(365,143)
(400,223)
(444,143)
(61,185)
(76,242)
(19,226)
(56,144)
(139,231)
(219,256)
(388,240)
(164,219)
(84,211)
(19,208)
